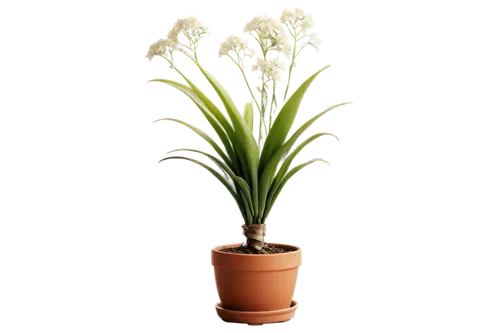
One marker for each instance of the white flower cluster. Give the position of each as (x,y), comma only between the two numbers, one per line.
(269,29)
(272,69)
(236,44)
(311,40)
(160,47)
(189,26)
(298,19)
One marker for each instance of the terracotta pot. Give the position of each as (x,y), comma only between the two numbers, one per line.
(256,282)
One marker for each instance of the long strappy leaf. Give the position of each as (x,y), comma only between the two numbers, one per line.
(204,136)
(210,115)
(216,174)
(288,161)
(283,123)
(214,159)
(289,175)
(246,190)
(270,169)
(244,136)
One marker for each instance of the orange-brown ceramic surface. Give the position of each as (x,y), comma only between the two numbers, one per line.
(249,282)
(257,317)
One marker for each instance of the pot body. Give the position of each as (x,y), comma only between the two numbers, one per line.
(256,282)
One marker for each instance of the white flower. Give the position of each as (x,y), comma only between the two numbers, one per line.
(313,40)
(160,47)
(310,39)
(236,44)
(272,68)
(297,16)
(270,29)
(268,26)
(299,24)
(284,44)
(190,26)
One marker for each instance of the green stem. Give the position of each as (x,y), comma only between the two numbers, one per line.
(263,113)
(260,128)
(275,104)
(244,78)
(246,81)
(291,67)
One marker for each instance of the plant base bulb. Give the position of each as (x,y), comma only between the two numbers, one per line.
(255,236)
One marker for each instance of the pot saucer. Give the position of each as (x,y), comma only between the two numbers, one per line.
(257,317)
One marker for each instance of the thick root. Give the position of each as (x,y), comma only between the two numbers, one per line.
(255,236)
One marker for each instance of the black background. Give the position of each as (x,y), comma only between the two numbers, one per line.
(171,213)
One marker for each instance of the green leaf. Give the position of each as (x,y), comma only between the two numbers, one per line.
(204,136)
(288,161)
(270,169)
(248,115)
(311,120)
(212,115)
(243,135)
(212,104)
(243,185)
(243,159)
(246,190)
(268,175)
(283,123)
(228,184)
(198,97)
(248,210)
(193,83)
(214,159)
(289,175)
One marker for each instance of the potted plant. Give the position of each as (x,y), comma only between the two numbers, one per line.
(255,280)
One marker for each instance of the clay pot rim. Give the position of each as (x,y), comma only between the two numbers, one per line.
(220,247)
(294,306)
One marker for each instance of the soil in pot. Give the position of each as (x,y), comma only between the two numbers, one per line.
(265,250)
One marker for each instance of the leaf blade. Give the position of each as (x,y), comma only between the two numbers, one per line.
(246,190)
(229,184)
(223,132)
(214,159)
(283,122)
(311,120)
(248,115)
(244,137)
(216,174)
(270,169)
(288,161)
(289,175)
(203,135)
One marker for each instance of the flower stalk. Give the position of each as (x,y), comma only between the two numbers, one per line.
(291,69)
